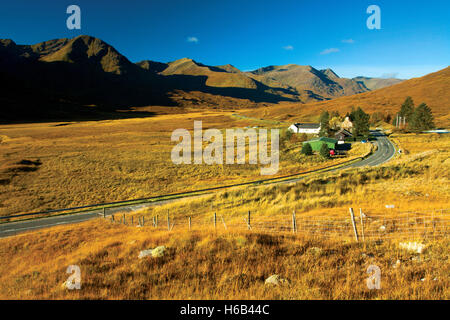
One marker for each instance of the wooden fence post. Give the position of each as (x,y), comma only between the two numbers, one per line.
(104,212)
(215,220)
(294,223)
(112,218)
(132,220)
(362,224)
(124,222)
(249,221)
(352,216)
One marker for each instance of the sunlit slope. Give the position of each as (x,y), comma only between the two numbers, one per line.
(431,89)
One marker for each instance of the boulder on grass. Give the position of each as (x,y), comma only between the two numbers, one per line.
(276,280)
(413,246)
(154,253)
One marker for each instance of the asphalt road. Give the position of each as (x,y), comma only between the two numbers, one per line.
(384,153)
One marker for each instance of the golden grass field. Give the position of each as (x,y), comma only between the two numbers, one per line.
(59,165)
(233,263)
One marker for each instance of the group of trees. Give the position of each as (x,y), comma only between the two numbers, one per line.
(416,119)
(331,123)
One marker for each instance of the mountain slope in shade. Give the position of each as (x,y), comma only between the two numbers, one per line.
(59,76)
(324,84)
(152,66)
(431,89)
(377,83)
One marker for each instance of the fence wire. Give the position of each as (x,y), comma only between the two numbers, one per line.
(432,224)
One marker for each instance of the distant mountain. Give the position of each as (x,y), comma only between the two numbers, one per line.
(377,83)
(323,84)
(431,89)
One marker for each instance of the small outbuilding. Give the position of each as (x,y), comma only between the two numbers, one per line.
(317,143)
(342,134)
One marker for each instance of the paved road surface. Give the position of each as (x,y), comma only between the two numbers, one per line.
(384,153)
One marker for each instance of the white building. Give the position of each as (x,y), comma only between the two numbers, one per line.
(311,128)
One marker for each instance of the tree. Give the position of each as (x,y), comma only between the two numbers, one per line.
(407,109)
(388,118)
(324,151)
(335,123)
(421,119)
(361,124)
(307,149)
(406,112)
(324,124)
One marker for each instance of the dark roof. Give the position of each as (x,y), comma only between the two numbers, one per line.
(345,132)
(307,125)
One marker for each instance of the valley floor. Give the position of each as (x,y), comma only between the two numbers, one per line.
(233,263)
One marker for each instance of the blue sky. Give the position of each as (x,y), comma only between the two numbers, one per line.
(414,38)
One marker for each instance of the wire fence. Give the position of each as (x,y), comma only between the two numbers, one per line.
(359,226)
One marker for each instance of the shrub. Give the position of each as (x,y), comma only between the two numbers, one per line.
(324,151)
(307,149)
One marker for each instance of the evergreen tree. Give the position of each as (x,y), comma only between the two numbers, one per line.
(324,150)
(421,119)
(307,149)
(407,109)
(388,118)
(324,124)
(361,123)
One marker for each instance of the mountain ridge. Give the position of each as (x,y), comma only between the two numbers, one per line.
(87,71)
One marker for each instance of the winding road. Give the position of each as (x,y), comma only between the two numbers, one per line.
(384,153)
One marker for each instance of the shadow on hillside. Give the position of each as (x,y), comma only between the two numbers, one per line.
(55,91)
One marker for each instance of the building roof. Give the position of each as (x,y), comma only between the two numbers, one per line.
(307,125)
(324,139)
(345,132)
